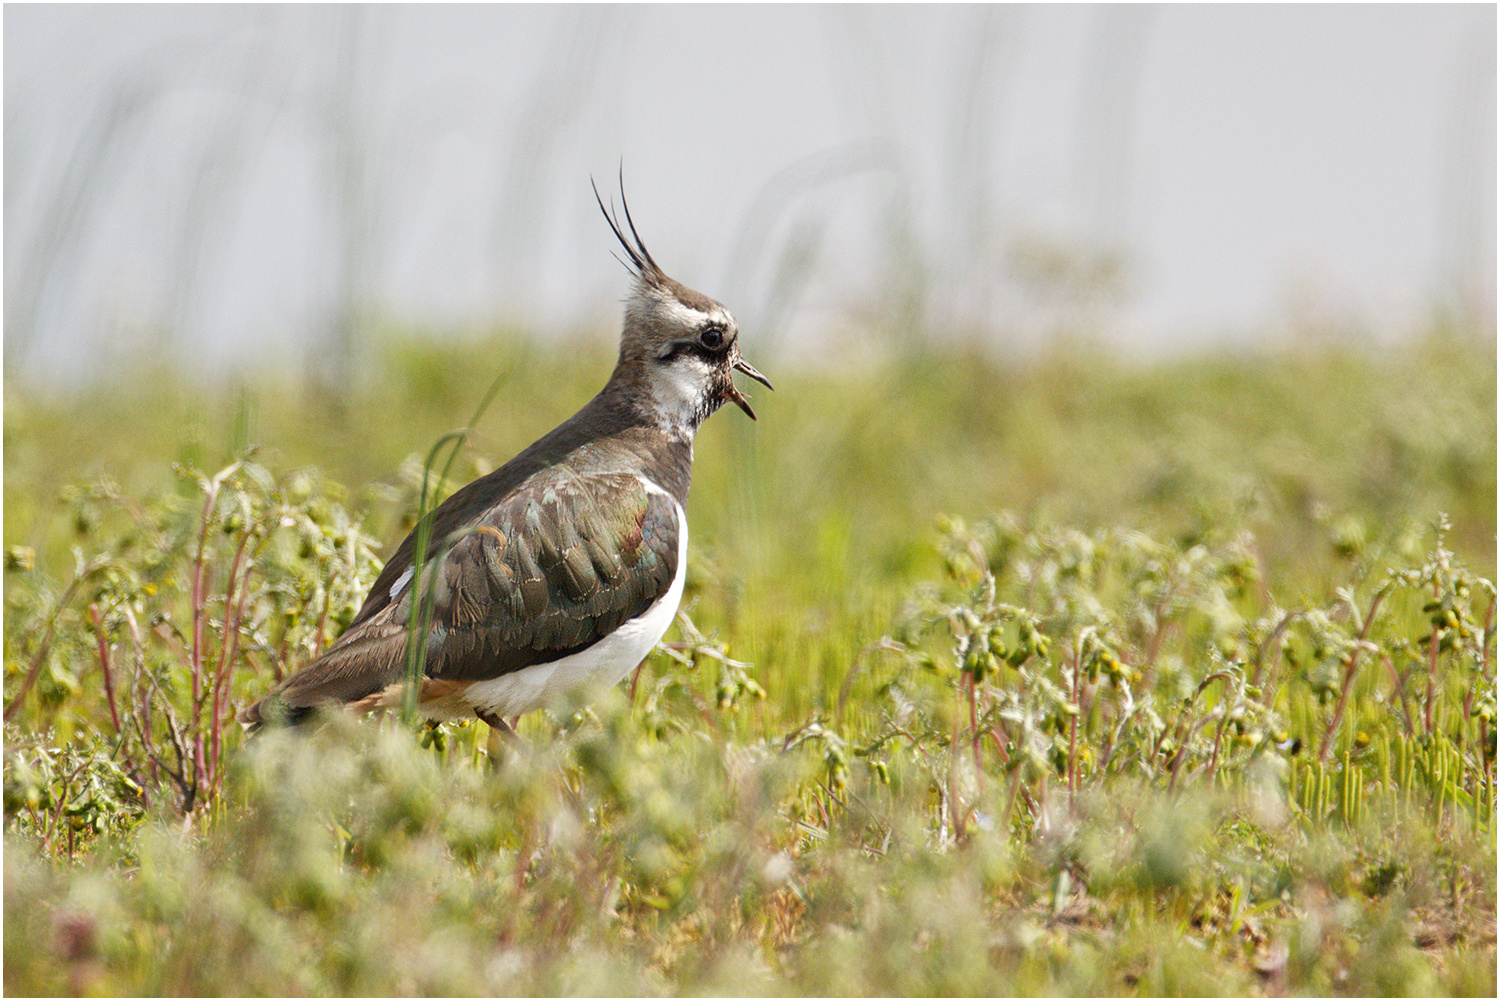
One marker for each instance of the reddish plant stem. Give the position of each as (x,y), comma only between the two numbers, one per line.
(109,681)
(1183,731)
(234,586)
(1349,672)
(1487,637)
(228,648)
(195,655)
(195,658)
(282,652)
(140,710)
(1015,773)
(1398,685)
(1213,762)
(1189,734)
(974,724)
(1265,645)
(999,736)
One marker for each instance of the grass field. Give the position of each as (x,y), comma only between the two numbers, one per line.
(1064,677)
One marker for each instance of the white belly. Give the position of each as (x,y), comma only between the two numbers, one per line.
(598,666)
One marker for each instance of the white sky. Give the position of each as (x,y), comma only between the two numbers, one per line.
(232,174)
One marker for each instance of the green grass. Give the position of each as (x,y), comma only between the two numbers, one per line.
(1065,677)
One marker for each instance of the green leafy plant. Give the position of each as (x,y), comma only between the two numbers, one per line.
(189,597)
(1211,711)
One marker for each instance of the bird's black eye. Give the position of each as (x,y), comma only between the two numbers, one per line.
(712,338)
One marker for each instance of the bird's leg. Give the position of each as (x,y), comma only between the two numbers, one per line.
(506,734)
(494,722)
(635,679)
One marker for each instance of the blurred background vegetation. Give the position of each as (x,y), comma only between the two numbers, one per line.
(1038,639)
(234,188)
(1072,676)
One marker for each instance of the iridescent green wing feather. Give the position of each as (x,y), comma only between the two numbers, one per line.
(563,561)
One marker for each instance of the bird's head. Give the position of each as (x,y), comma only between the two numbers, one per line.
(679,348)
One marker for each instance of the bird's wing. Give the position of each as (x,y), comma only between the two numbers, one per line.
(561,562)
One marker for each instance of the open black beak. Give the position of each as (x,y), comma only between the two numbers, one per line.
(733,391)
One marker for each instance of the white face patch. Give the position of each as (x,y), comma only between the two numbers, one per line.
(678,388)
(680,378)
(690,319)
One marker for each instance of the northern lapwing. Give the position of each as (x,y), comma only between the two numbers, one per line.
(563,568)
